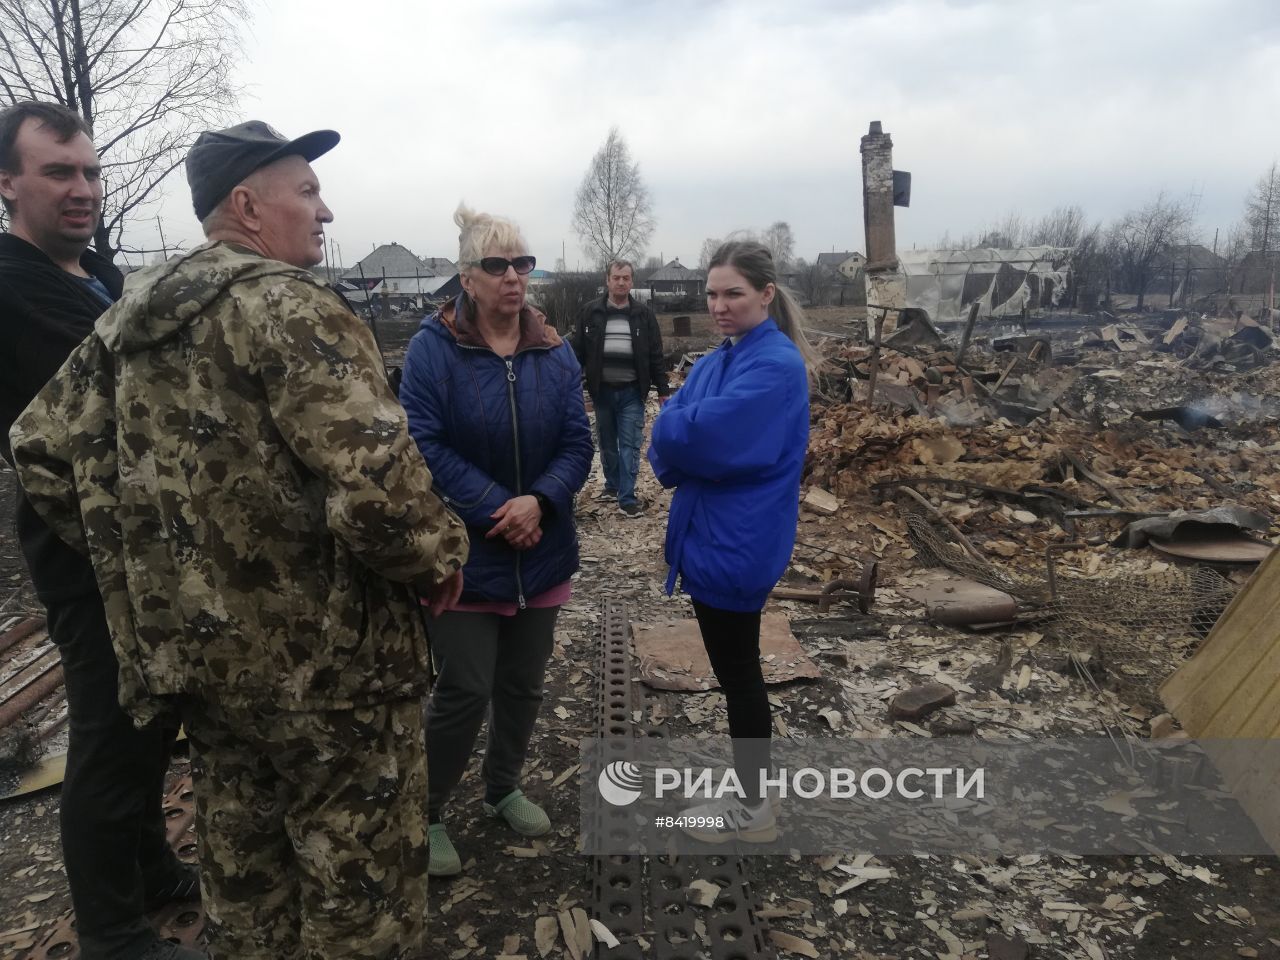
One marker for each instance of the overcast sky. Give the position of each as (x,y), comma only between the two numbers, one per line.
(745,112)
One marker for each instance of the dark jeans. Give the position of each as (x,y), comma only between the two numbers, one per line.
(490,664)
(620,426)
(113,827)
(732,640)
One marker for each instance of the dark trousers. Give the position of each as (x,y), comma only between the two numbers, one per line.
(732,640)
(490,664)
(113,827)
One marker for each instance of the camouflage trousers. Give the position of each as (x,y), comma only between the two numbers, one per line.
(312,830)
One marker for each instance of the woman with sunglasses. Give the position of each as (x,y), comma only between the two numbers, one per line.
(494,399)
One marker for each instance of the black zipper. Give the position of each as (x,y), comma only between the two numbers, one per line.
(515,436)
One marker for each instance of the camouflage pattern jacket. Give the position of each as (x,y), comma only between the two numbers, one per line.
(226,448)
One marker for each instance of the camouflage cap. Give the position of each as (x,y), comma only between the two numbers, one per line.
(221,159)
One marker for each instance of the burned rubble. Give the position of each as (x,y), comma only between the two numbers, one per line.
(1028,482)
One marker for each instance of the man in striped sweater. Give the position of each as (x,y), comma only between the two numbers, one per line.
(619,346)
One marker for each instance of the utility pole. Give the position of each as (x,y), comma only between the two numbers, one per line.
(164,247)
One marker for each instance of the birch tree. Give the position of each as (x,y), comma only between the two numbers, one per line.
(147,76)
(612,212)
(781,243)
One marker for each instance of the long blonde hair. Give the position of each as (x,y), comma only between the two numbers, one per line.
(754,261)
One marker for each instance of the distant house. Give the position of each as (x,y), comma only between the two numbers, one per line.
(847,264)
(1188,270)
(394,273)
(441,266)
(450,290)
(839,280)
(541,278)
(677,280)
(394,259)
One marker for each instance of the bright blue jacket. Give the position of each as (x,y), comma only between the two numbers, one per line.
(491,429)
(732,441)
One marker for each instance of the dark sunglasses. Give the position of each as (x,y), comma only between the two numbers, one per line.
(497,266)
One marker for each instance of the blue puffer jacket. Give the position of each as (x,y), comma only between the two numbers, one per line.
(732,441)
(491,429)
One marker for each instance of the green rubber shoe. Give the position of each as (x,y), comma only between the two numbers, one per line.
(442,857)
(522,815)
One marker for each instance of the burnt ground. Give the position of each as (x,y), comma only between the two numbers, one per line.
(1146,908)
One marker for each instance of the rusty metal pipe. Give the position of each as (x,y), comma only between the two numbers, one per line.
(31,694)
(827,594)
(1051,572)
(20,632)
(29,672)
(861,590)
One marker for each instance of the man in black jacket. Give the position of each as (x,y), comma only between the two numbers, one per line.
(619,347)
(52,289)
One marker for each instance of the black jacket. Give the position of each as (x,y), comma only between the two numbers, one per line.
(44,314)
(646,346)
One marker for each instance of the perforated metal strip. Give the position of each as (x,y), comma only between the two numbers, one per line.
(179,922)
(647,896)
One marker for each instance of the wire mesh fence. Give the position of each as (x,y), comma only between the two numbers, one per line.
(1124,614)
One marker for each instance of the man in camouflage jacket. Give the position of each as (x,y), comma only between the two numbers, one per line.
(227,449)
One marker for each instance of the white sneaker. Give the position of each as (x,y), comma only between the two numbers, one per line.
(722,820)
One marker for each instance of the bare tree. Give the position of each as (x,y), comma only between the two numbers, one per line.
(612,213)
(1088,263)
(1069,227)
(1141,237)
(1262,211)
(810,279)
(1234,246)
(709,248)
(563,299)
(778,238)
(947,242)
(1061,227)
(1005,234)
(781,243)
(147,76)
